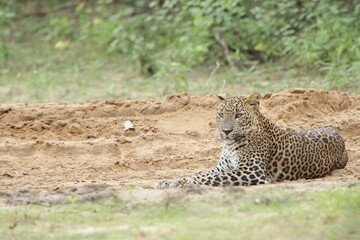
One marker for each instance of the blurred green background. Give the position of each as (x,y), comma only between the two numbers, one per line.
(78,50)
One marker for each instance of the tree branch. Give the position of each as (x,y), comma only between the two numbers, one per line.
(226,50)
(42,12)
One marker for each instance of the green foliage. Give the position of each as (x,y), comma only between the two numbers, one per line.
(172,45)
(7,14)
(251,29)
(165,34)
(331,36)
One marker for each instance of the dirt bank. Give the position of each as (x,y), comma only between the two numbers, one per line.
(57,146)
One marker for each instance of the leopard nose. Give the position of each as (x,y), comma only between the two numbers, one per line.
(227,131)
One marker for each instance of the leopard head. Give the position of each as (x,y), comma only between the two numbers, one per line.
(237,116)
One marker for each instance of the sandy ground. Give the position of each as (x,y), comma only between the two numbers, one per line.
(58,146)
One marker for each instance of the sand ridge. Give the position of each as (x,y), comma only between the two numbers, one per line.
(58,146)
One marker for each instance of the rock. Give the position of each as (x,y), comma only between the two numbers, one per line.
(27,117)
(75,128)
(5,110)
(38,126)
(18,125)
(128,125)
(297,90)
(61,123)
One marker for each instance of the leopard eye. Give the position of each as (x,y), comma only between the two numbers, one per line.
(237,116)
(221,115)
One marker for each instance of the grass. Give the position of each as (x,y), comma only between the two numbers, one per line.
(83,72)
(273,213)
(45,74)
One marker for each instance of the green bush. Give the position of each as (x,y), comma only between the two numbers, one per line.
(7,14)
(331,36)
(168,38)
(183,31)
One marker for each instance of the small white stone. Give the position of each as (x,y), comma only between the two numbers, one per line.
(128,125)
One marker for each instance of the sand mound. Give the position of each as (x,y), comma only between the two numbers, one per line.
(58,146)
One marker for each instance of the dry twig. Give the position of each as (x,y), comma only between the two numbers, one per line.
(213,72)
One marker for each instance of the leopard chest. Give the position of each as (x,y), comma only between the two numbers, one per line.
(229,159)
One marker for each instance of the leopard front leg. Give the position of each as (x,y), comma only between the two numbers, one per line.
(223,176)
(163,185)
(186,182)
(243,175)
(237,177)
(180,183)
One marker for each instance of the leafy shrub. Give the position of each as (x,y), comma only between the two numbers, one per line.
(330,36)
(183,31)
(7,14)
(167,38)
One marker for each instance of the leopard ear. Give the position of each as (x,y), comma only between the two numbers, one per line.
(253,100)
(221,97)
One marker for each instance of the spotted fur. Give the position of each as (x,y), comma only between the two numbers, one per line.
(257,151)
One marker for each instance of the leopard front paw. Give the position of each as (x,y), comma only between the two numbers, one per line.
(163,185)
(180,183)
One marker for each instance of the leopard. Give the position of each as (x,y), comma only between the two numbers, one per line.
(258,151)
